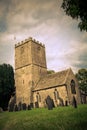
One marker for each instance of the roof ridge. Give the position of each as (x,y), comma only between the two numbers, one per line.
(68,70)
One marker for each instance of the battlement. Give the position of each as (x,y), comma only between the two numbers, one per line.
(28,40)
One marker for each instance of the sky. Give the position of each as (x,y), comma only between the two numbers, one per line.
(45,21)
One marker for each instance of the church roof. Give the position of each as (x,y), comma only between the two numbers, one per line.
(52,80)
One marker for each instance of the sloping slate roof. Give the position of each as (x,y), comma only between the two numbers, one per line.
(51,80)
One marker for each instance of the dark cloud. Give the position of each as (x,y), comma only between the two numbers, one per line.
(78,59)
(20,12)
(4,10)
(45,21)
(5,3)
(83,60)
(45,10)
(82,64)
(3,25)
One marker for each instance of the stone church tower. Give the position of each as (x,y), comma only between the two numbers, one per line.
(30,66)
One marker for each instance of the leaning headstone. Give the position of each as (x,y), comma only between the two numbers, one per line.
(74,103)
(24,107)
(10,107)
(29,107)
(49,103)
(11,103)
(16,108)
(19,106)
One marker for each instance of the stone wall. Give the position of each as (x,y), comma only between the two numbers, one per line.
(44,93)
(22,78)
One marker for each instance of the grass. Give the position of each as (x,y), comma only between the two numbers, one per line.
(61,118)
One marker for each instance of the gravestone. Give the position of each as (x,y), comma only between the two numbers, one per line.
(36,105)
(29,107)
(66,103)
(49,103)
(15,107)
(74,103)
(11,103)
(19,106)
(24,107)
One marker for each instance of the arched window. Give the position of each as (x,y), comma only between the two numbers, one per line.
(72,84)
(56,94)
(38,97)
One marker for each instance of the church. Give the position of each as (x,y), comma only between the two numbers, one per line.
(34,85)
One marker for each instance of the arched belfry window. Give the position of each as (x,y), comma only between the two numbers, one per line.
(38,97)
(56,94)
(72,84)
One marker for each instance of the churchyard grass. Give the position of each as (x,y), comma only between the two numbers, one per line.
(60,118)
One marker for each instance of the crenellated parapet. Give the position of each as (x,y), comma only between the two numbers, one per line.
(30,39)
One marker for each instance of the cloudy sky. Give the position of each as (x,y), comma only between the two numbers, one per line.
(45,21)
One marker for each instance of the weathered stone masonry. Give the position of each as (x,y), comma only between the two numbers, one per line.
(33,84)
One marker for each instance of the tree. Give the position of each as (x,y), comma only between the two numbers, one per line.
(77,9)
(6,84)
(82,78)
(50,71)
